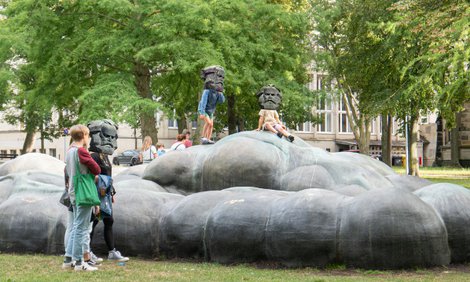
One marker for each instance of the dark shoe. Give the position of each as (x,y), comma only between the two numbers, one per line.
(279,134)
(291,138)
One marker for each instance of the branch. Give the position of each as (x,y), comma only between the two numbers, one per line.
(104,16)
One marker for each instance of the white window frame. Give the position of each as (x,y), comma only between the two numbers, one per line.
(174,121)
(343,114)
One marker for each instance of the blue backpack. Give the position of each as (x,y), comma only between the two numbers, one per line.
(105,188)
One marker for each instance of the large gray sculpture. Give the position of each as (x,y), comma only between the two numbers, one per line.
(251,197)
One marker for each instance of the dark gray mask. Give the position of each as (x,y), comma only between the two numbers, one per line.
(269,97)
(213,77)
(103,136)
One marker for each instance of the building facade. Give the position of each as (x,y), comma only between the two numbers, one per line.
(332,133)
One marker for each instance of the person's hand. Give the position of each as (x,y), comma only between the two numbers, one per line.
(202,116)
(97,210)
(112,199)
(257,129)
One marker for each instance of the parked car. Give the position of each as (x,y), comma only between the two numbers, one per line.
(128,157)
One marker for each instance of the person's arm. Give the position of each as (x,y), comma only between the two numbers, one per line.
(220,98)
(85,159)
(260,121)
(203,103)
(154,151)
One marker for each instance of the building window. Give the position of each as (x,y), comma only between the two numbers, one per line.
(172,123)
(13,152)
(343,121)
(3,152)
(303,127)
(319,85)
(42,151)
(324,113)
(52,152)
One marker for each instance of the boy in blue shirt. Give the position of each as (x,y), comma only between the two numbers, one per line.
(211,96)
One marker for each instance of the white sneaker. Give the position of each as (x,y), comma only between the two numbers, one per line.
(85,267)
(116,255)
(95,258)
(68,265)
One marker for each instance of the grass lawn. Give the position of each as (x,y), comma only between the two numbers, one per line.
(48,268)
(459,176)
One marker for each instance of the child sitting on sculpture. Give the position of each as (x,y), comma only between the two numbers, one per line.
(269,99)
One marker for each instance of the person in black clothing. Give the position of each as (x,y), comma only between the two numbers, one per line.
(103,143)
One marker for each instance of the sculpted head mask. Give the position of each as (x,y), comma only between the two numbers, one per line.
(213,77)
(103,136)
(269,97)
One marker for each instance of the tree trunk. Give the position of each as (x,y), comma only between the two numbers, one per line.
(364,137)
(29,141)
(142,83)
(42,150)
(135,138)
(241,124)
(359,123)
(455,143)
(413,146)
(182,123)
(387,139)
(232,118)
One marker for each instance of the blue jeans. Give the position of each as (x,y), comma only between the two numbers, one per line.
(79,236)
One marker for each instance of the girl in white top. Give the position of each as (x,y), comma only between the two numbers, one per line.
(179,144)
(148,152)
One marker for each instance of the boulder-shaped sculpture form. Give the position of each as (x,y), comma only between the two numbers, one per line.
(391,228)
(33,161)
(452,202)
(302,228)
(32,220)
(261,159)
(182,228)
(235,228)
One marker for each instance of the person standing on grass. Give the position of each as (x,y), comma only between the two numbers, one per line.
(78,241)
(103,143)
(211,96)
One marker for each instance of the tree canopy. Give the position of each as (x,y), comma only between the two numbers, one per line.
(124,59)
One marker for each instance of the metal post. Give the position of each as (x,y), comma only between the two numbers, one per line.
(65,145)
(407,147)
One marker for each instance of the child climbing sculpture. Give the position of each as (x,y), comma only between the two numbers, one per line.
(212,95)
(269,99)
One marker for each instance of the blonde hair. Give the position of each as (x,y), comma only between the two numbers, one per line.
(78,132)
(147,143)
